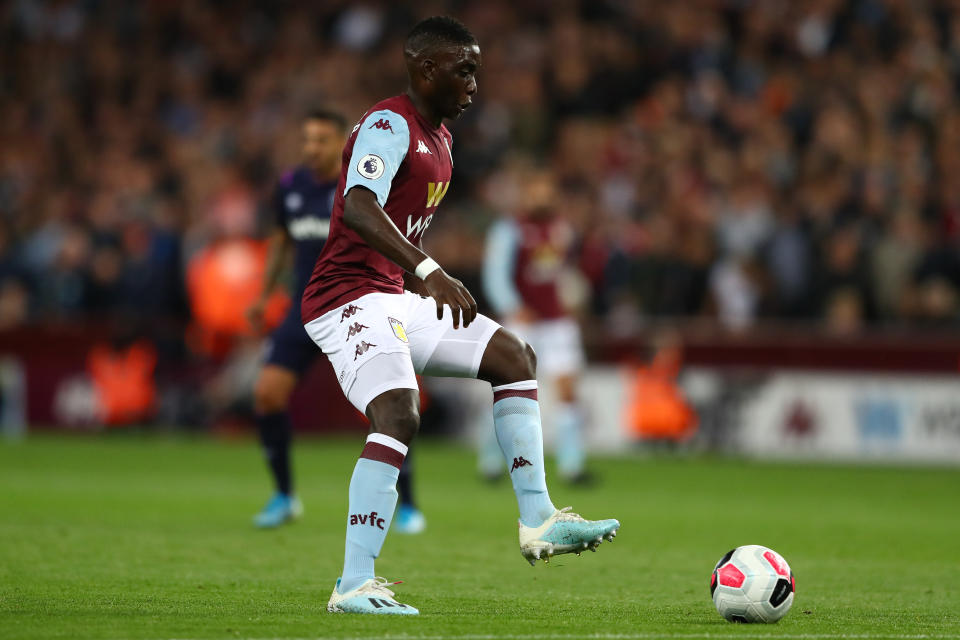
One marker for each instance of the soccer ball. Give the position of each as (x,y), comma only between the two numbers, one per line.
(752,584)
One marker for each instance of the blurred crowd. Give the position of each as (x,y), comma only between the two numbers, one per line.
(733,159)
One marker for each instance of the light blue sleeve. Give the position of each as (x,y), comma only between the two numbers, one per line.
(380,147)
(499,261)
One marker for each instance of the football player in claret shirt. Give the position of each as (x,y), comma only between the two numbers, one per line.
(526,260)
(396,171)
(302,205)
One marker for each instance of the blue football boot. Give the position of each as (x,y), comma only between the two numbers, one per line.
(409,520)
(564,532)
(279,509)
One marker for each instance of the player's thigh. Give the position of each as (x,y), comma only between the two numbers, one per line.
(273,388)
(369,356)
(559,347)
(290,348)
(437,349)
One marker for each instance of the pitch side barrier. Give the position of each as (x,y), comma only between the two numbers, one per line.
(788,392)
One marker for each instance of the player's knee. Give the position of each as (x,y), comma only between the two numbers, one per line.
(396,413)
(529,360)
(268,397)
(522,359)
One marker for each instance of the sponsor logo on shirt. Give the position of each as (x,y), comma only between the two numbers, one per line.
(418,227)
(293,201)
(435,192)
(309,227)
(422,148)
(381,124)
(370,166)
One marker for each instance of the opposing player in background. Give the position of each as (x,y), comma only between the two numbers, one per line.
(396,171)
(302,204)
(526,260)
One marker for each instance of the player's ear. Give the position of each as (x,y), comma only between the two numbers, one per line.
(428,69)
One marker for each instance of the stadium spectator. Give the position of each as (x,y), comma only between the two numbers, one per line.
(746,160)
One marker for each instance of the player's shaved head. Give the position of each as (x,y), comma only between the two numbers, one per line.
(443,58)
(435,33)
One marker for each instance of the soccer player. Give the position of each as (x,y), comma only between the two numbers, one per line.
(302,203)
(396,171)
(525,261)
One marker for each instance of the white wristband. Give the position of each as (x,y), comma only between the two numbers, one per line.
(426,267)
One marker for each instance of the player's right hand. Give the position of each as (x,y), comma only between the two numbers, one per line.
(450,291)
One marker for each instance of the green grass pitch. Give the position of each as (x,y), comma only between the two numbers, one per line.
(127,536)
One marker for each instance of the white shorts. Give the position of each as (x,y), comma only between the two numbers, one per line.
(557,344)
(380,341)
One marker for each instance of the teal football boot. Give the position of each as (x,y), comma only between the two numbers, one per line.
(372,596)
(409,520)
(564,532)
(280,509)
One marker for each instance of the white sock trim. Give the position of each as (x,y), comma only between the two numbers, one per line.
(387,441)
(523,385)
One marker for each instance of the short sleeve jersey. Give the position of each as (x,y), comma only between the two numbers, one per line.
(302,205)
(407,163)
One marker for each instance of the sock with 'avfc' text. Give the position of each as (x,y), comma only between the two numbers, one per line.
(373,498)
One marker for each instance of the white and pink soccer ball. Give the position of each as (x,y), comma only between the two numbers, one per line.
(752,584)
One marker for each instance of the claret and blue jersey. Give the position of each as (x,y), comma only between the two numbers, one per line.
(407,163)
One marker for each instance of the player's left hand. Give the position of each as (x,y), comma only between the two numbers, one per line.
(450,291)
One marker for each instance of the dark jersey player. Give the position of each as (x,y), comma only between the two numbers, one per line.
(397,165)
(302,204)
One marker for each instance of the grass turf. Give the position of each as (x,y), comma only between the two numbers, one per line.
(149,537)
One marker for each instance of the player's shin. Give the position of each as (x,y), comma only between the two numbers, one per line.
(516,418)
(570,454)
(373,498)
(275,437)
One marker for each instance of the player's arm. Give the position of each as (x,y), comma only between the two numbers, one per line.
(411,282)
(279,245)
(378,152)
(363,214)
(499,267)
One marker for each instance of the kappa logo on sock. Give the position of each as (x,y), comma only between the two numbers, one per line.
(365,518)
(520,462)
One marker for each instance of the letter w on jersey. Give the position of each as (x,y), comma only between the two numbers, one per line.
(435,192)
(417,228)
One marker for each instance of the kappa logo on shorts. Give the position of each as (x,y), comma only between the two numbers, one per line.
(520,462)
(362,349)
(355,328)
(349,311)
(398,329)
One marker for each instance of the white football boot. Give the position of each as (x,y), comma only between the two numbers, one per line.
(564,532)
(372,596)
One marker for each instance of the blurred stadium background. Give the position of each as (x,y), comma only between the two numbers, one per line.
(765,196)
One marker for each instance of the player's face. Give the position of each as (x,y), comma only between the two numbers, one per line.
(455,83)
(322,145)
